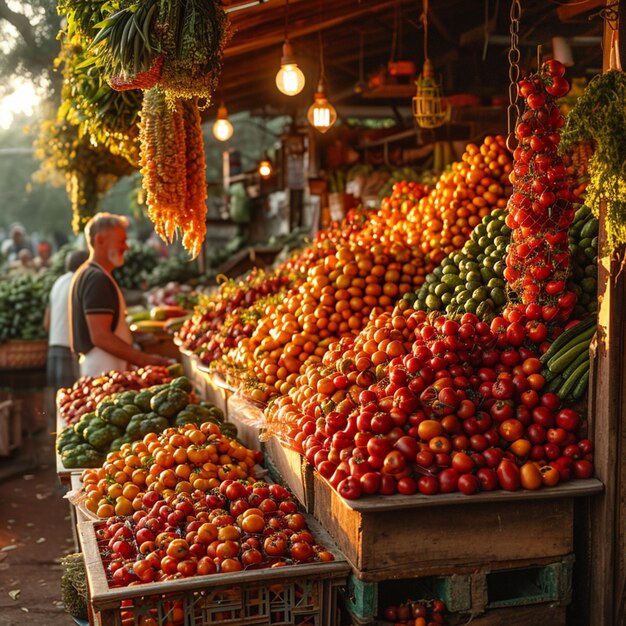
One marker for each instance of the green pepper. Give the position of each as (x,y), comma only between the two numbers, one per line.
(119,417)
(100,435)
(82,455)
(182,382)
(125,397)
(187,417)
(102,407)
(133,428)
(229,430)
(84,422)
(176,369)
(142,399)
(153,423)
(116,444)
(169,402)
(68,439)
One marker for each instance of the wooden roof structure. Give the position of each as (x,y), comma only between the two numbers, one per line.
(467,41)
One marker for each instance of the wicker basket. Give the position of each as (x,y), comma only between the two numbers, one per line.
(23,354)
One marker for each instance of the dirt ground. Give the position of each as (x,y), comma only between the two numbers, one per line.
(35,529)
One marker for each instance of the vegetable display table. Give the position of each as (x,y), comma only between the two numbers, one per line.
(406,536)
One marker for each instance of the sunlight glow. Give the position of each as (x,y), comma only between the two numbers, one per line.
(23,101)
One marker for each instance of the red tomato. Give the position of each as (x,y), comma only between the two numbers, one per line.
(568,419)
(511,429)
(370,482)
(487,478)
(582,468)
(407,486)
(448,480)
(428,485)
(462,462)
(468,484)
(508,475)
(350,488)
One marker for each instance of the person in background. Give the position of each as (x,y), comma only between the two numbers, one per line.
(44,252)
(98,329)
(62,365)
(23,264)
(17,241)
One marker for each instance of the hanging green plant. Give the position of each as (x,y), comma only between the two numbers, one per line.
(600,115)
(177,44)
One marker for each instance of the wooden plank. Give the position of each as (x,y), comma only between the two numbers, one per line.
(296,473)
(607,549)
(433,540)
(574,8)
(523,616)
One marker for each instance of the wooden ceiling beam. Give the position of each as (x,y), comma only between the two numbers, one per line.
(253,43)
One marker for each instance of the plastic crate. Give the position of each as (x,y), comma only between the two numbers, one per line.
(293,595)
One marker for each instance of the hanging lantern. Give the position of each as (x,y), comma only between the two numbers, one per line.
(430,109)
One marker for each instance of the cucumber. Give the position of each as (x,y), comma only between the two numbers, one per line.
(590,229)
(569,384)
(554,385)
(569,370)
(567,336)
(581,386)
(560,362)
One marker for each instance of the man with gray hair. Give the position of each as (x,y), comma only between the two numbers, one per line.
(98,330)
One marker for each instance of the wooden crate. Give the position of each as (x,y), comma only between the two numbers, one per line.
(249,419)
(407,536)
(291,469)
(10,428)
(496,585)
(212,389)
(290,595)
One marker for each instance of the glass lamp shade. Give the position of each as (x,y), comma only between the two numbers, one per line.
(265,168)
(321,114)
(290,78)
(222,129)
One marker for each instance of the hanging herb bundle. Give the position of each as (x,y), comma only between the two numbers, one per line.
(177,44)
(600,115)
(173,168)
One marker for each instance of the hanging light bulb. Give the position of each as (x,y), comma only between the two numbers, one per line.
(321,114)
(289,79)
(222,129)
(265,168)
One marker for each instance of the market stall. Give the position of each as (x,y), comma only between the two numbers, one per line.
(412,413)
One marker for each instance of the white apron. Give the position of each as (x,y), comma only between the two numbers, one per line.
(97,362)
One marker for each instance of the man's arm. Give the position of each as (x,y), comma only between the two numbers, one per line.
(102,337)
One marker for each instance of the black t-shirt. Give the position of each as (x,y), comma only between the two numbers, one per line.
(92,292)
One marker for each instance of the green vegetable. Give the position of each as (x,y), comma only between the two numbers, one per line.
(169,402)
(599,115)
(99,434)
(84,422)
(567,336)
(82,455)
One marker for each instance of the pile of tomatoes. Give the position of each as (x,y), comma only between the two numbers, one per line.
(540,208)
(416,613)
(233,527)
(180,459)
(458,407)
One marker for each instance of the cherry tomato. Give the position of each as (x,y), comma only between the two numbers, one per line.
(508,475)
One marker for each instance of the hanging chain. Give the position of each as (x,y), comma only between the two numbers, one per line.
(512,112)
(425,22)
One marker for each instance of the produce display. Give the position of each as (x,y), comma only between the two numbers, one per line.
(435,405)
(472,280)
(566,362)
(130,415)
(181,459)
(23,301)
(229,528)
(540,208)
(85,394)
(174,294)
(416,613)
(173,269)
(158,319)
